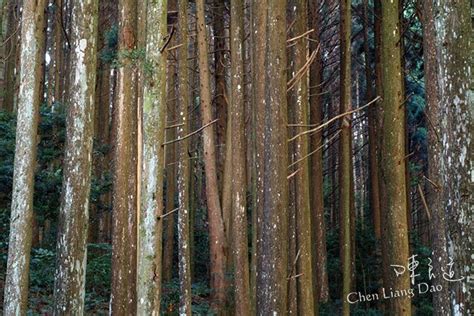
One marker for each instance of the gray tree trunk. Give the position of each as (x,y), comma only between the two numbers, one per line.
(69,286)
(183,168)
(454,52)
(16,283)
(272,245)
(152,160)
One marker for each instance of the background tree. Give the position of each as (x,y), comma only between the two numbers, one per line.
(345,159)
(217,242)
(298,109)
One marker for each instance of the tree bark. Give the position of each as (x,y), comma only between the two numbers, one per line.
(258,36)
(345,155)
(372,127)
(272,246)
(221,106)
(395,231)
(151,205)
(183,168)
(12,53)
(216,225)
(124,238)
(320,277)
(441,302)
(454,68)
(299,103)
(239,191)
(170,167)
(74,212)
(16,282)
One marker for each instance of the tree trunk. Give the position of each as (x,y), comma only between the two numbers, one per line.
(345,155)
(16,282)
(219,10)
(216,225)
(395,231)
(320,278)
(11,52)
(258,37)
(239,191)
(3,51)
(300,106)
(151,205)
(124,242)
(183,167)
(170,169)
(272,247)
(441,302)
(454,67)
(74,212)
(372,126)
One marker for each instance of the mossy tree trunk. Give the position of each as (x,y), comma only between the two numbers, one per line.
(152,160)
(437,223)
(454,73)
(16,282)
(69,288)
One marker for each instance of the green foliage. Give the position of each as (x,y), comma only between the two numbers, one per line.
(422,302)
(200,298)
(108,54)
(48,176)
(7,152)
(97,279)
(98,276)
(368,264)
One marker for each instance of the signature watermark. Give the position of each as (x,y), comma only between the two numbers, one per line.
(416,288)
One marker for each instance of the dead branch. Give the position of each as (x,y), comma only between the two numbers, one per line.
(190,134)
(332,120)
